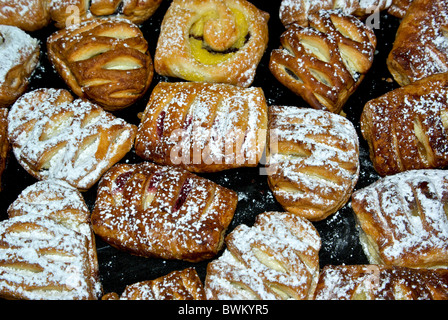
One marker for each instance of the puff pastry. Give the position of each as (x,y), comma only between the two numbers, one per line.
(402,219)
(398,8)
(203,127)
(54,136)
(166,212)
(106,61)
(312,159)
(212,41)
(407,128)
(5,146)
(28,15)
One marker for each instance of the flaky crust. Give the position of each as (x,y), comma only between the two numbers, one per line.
(28,15)
(5,146)
(398,8)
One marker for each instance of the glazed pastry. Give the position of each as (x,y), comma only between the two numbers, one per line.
(28,15)
(420,48)
(399,8)
(54,136)
(325,62)
(5,146)
(157,211)
(19,54)
(203,127)
(106,61)
(276,258)
(373,282)
(212,41)
(312,160)
(402,219)
(407,128)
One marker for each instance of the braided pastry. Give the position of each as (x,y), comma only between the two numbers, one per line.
(156,211)
(212,41)
(54,136)
(28,15)
(104,60)
(203,127)
(5,146)
(325,62)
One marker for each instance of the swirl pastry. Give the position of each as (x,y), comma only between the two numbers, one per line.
(157,211)
(212,41)
(5,146)
(106,61)
(203,127)
(276,258)
(403,219)
(313,160)
(28,15)
(54,136)
(325,62)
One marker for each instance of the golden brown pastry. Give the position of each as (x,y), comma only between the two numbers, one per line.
(212,41)
(407,128)
(161,211)
(28,15)
(276,258)
(54,136)
(403,220)
(313,160)
(5,146)
(398,8)
(203,127)
(106,61)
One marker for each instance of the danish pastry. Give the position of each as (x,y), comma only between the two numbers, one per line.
(276,258)
(203,127)
(106,61)
(312,159)
(212,41)
(5,146)
(54,136)
(28,15)
(157,211)
(398,8)
(403,220)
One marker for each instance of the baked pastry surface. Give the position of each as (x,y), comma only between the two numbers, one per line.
(28,15)
(398,8)
(5,146)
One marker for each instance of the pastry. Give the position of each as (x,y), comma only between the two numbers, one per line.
(19,54)
(54,136)
(28,15)
(5,146)
(402,219)
(212,41)
(165,212)
(203,127)
(325,62)
(407,128)
(398,8)
(420,48)
(106,61)
(312,159)
(276,258)
(373,282)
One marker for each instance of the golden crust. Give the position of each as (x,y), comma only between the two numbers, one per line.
(5,146)
(398,8)
(28,15)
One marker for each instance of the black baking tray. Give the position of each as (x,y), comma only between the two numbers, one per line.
(340,243)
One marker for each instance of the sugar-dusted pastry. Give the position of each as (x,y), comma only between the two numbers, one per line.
(28,15)
(403,219)
(161,211)
(5,146)
(276,258)
(407,128)
(56,136)
(106,61)
(325,62)
(212,41)
(19,56)
(398,8)
(375,282)
(420,48)
(313,160)
(203,127)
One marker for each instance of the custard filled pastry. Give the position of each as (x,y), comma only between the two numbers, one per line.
(325,62)
(54,136)
(165,212)
(5,146)
(313,160)
(203,127)
(28,15)
(277,258)
(106,61)
(403,220)
(212,41)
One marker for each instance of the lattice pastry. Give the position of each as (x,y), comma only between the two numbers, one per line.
(276,258)
(398,8)
(104,60)
(28,15)
(403,219)
(325,62)
(54,136)
(203,127)
(313,160)
(212,41)
(157,211)
(374,282)
(407,128)
(5,146)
